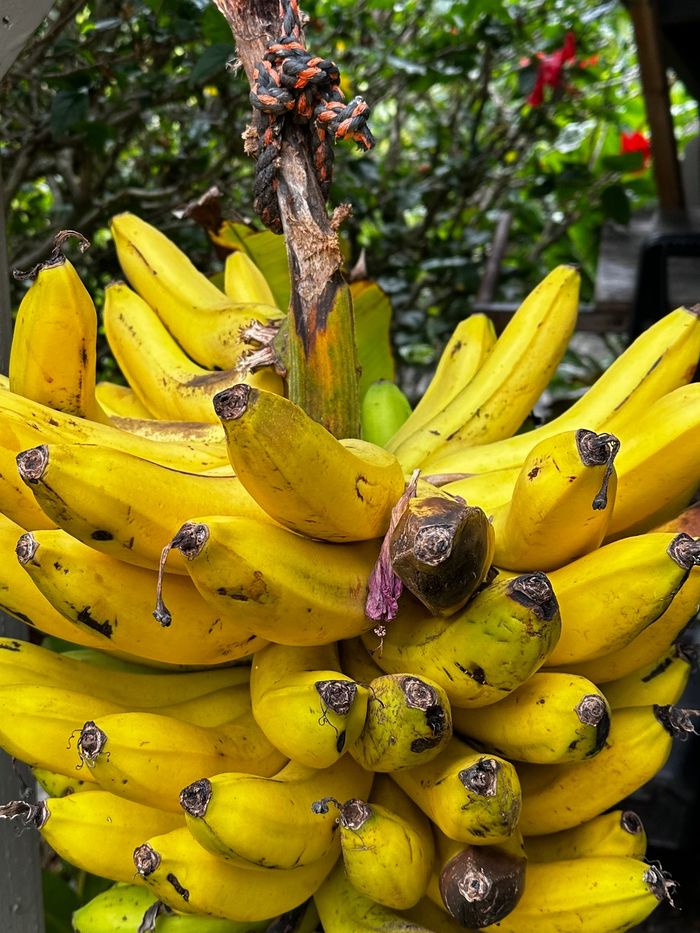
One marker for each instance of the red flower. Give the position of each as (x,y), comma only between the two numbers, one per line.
(636,142)
(550,69)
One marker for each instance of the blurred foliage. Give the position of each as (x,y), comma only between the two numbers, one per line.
(128,105)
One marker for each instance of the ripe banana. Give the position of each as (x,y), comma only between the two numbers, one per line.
(109,604)
(61,785)
(631,581)
(562,502)
(662,682)
(121,908)
(24,663)
(617,833)
(408,723)
(96,832)
(651,642)
(261,822)
(551,718)
(24,423)
(149,757)
(441,549)
(463,356)
(385,858)
(312,714)
(53,351)
(657,466)
(383,409)
(202,319)
(660,360)
(498,399)
(189,879)
(485,651)
(120,401)
(161,374)
(343,909)
(244,282)
(301,475)
(16,501)
(472,797)
(277,584)
(208,438)
(89,492)
(557,797)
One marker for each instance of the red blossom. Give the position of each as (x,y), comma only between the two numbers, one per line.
(550,69)
(636,142)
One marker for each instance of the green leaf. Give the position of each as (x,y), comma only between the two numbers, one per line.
(268,252)
(68,109)
(372,310)
(625,162)
(212,62)
(60,900)
(214,27)
(616,203)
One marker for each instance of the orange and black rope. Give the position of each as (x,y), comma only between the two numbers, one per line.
(290,83)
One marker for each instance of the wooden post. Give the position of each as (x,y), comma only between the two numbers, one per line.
(667,173)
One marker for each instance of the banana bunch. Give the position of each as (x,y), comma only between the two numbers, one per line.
(395,682)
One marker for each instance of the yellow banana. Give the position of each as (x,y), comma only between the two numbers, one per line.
(277,584)
(562,502)
(244,282)
(610,595)
(499,398)
(557,797)
(617,833)
(96,832)
(472,797)
(161,374)
(465,352)
(660,360)
(61,785)
(357,662)
(649,643)
(657,465)
(312,714)
(149,757)
(550,718)
(53,352)
(385,857)
(202,319)
(120,401)
(110,603)
(477,885)
(24,663)
(24,423)
(383,409)
(408,723)
(301,475)
(482,653)
(16,500)
(121,908)
(90,492)
(189,879)
(261,822)
(662,682)
(209,438)
(343,909)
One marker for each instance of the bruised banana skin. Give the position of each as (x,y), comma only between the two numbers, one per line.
(343,909)
(472,797)
(163,377)
(482,653)
(301,475)
(633,581)
(260,822)
(189,879)
(280,586)
(24,423)
(662,358)
(662,682)
(89,492)
(57,311)
(499,398)
(201,318)
(109,604)
(96,832)
(471,342)
(127,753)
(557,797)
(408,723)
(61,785)
(561,505)
(121,908)
(551,718)
(617,833)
